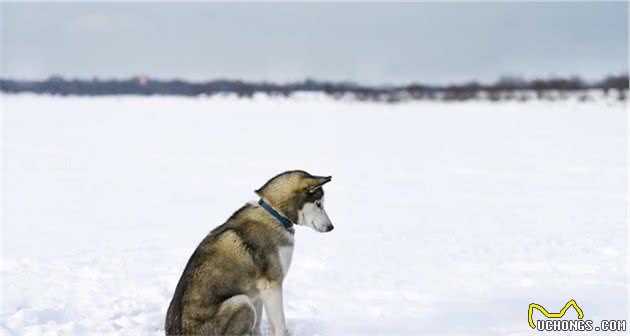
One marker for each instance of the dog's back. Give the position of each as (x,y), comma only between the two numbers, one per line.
(173,324)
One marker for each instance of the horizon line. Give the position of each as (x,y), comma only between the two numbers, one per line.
(306,79)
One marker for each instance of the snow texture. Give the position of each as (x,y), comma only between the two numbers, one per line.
(450,218)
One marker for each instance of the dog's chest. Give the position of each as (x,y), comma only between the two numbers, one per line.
(285,253)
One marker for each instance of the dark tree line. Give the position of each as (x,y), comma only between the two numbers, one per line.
(504,88)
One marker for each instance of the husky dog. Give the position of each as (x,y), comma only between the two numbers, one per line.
(239,267)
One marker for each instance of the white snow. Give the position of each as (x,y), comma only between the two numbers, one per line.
(450,218)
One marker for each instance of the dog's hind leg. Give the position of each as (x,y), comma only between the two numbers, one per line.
(236,316)
(242,315)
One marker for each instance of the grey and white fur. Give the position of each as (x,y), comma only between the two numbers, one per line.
(240,266)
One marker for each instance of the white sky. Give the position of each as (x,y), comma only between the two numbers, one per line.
(369,43)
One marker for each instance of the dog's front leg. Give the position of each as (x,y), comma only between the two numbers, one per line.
(258,305)
(272,300)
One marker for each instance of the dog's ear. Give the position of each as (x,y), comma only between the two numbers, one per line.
(321,180)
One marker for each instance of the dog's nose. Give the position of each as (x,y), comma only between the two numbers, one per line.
(329,228)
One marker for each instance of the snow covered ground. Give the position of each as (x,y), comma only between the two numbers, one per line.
(450,218)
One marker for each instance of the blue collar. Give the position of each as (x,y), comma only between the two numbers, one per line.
(286,223)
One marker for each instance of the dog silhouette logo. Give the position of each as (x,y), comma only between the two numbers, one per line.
(544,311)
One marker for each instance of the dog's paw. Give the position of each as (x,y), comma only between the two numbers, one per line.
(284,332)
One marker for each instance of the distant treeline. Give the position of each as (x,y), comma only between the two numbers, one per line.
(506,88)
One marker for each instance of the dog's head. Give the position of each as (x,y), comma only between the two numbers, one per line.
(299,196)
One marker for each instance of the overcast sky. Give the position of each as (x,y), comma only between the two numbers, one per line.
(369,43)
